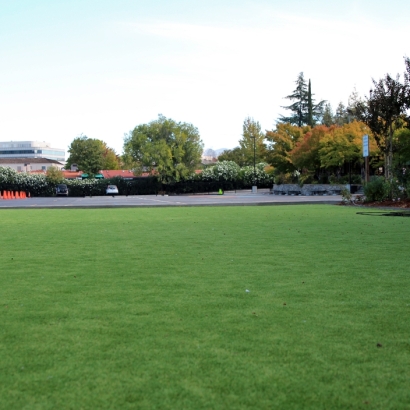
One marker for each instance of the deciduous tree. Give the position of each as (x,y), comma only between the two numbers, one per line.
(110,159)
(236,155)
(87,153)
(54,175)
(171,149)
(383,112)
(252,139)
(342,145)
(401,142)
(281,142)
(305,155)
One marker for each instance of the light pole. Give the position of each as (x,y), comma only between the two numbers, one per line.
(254,187)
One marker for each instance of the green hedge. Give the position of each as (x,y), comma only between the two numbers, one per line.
(37,185)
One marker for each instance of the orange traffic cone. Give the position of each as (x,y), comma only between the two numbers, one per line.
(23,195)
(7,195)
(17,195)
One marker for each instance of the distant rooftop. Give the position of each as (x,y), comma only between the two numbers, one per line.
(24,144)
(28,160)
(31,149)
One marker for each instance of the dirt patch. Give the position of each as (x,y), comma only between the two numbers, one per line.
(402,204)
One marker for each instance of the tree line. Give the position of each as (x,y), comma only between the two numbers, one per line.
(311,143)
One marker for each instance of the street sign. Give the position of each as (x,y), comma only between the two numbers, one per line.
(365,145)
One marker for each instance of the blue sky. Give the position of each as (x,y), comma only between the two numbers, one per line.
(102,67)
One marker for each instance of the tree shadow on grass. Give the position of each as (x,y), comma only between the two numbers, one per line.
(401,213)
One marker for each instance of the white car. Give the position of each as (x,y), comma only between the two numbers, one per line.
(112,190)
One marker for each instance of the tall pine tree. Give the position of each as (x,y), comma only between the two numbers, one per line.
(341,116)
(298,108)
(304,110)
(327,117)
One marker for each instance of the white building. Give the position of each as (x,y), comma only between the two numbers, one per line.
(31,149)
(30,164)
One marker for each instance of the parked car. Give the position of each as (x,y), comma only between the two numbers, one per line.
(62,189)
(112,190)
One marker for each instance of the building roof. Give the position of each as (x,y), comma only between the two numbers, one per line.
(106,173)
(112,173)
(72,174)
(23,160)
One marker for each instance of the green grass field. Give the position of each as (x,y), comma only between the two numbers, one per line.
(148,308)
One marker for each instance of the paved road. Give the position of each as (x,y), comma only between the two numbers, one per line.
(229,198)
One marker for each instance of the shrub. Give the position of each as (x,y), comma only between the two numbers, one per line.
(377,189)
(248,174)
(306,177)
(287,178)
(40,185)
(346,195)
(279,179)
(36,185)
(54,176)
(356,179)
(227,171)
(395,190)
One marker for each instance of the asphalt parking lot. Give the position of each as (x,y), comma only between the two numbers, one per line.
(241,198)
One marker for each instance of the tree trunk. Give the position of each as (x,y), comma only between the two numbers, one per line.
(310,106)
(386,165)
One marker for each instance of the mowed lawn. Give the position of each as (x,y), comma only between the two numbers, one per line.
(287,307)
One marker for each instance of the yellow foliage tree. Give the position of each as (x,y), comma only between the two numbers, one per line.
(110,158)
(54,175)
(281,142)
(341,145)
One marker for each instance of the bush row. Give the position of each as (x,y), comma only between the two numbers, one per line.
(225,175)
